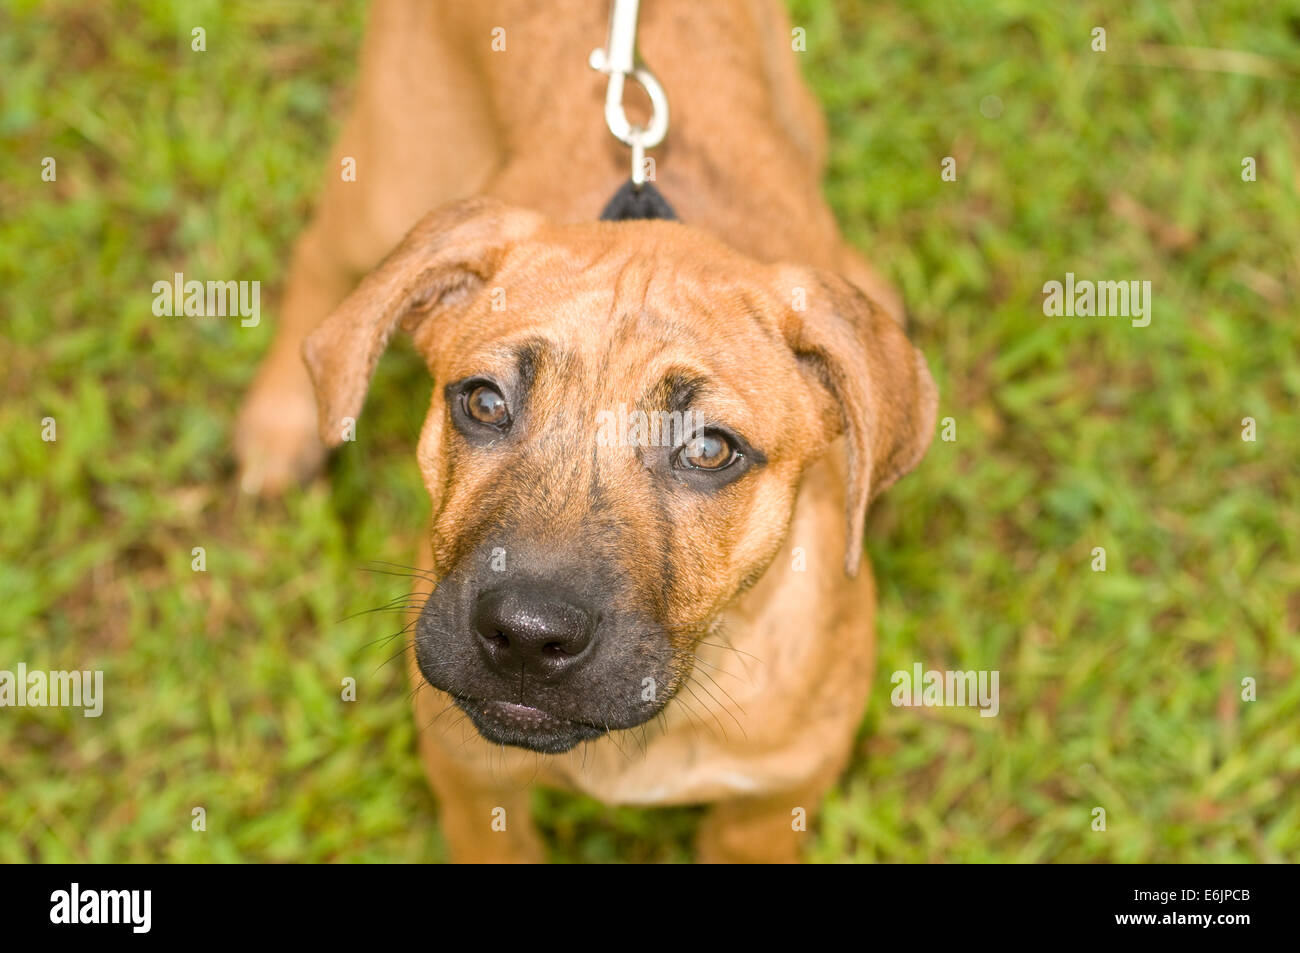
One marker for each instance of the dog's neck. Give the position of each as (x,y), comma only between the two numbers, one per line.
(742,158)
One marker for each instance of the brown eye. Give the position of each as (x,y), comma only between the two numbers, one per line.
(707,451)
(486,405)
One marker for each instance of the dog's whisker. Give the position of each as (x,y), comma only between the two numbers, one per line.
(707,709)
(731,648)
(639,740)
(400,603)
(733,701)
(464,738)
(662,719)
(610,735)
(450,706)
(691,717)
(420,683)
(411,572)
(384,640)
(732,715)
(722,634)
(717,668)
(406,646)
(435,718)
(537,768)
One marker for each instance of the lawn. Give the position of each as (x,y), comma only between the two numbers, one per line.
(1120,689)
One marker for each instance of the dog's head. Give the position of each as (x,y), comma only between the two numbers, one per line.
(620,419)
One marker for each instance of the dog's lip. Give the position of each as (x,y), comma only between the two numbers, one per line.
(511,723)
(523,716)
(514,715)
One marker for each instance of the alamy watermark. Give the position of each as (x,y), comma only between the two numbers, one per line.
(945,689)
(133,908)
(1123,299)
(37,689)
(210,299)
(639,428)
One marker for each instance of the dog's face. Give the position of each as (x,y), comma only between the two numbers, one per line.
(620,419)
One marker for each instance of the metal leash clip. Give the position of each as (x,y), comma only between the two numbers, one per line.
(619,62)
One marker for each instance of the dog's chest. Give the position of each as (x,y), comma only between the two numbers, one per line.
(764,718)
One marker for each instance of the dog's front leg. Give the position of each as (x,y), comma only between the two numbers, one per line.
(771,829)
(485,825)
(485,816)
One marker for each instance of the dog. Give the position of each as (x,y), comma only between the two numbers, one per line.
(679,620)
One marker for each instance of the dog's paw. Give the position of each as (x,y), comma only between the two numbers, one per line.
(276,442)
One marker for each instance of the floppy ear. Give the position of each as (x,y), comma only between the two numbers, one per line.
(880,384)
(448,254)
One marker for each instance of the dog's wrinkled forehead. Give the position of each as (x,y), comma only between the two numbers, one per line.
(626,317)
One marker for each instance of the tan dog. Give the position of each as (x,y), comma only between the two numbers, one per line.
(667,621)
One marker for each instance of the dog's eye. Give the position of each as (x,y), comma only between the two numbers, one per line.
(486,405)
(707,451)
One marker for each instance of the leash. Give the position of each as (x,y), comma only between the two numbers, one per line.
(636,198)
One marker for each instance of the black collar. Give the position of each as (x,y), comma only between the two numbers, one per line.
(631,202)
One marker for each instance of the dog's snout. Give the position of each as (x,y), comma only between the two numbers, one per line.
(531,629)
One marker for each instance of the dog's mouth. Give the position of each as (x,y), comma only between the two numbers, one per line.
(523,726)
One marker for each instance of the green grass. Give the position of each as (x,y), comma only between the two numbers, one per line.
(1119,689)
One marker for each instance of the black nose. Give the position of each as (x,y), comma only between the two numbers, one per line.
(531,628)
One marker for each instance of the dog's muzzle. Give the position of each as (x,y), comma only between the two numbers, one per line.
(543,661)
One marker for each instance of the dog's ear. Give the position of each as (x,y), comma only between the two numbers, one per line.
(882,396)
(448,255)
